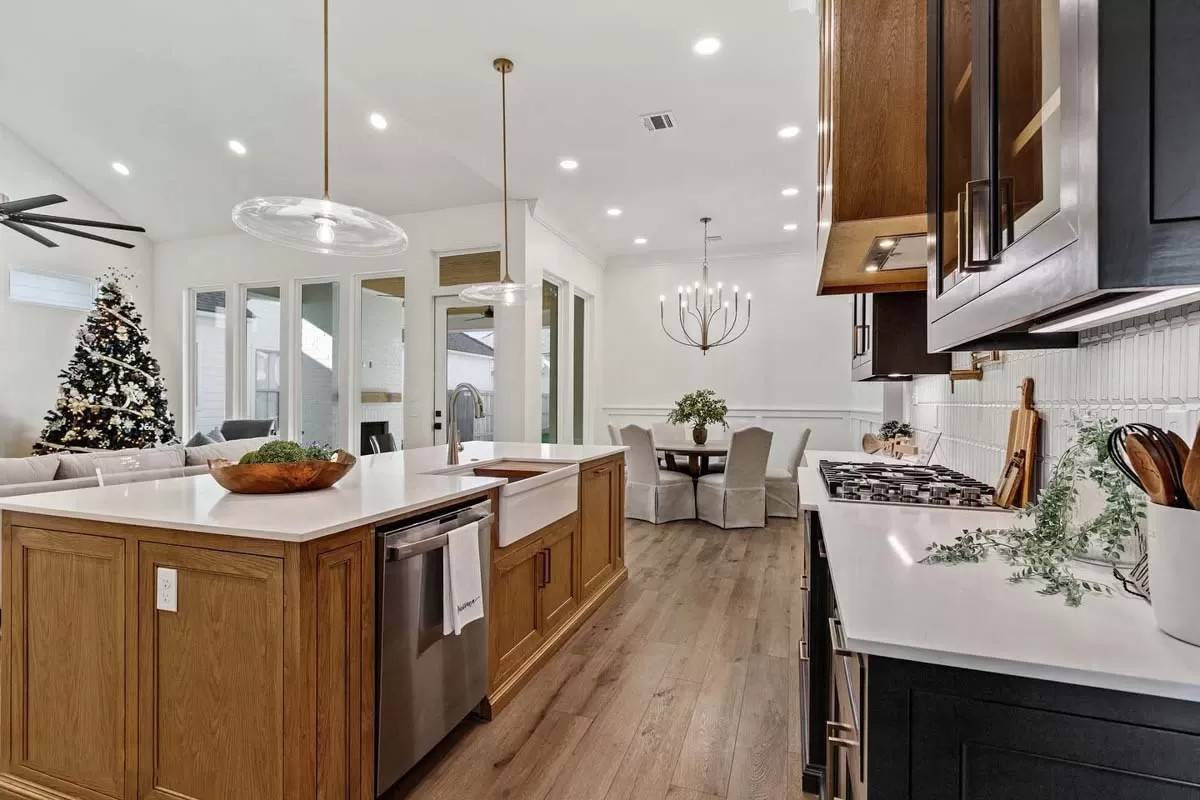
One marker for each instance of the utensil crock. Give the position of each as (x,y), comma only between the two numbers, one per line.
(1174,547)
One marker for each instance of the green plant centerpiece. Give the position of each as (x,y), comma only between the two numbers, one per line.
(1043,552)
(895,429)
(699,409)
(285,452)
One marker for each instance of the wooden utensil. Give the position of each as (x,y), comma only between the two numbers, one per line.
(1191,474)
(1010,481)
(871,443)
(1181,447)
(1151,469)
(1024,428)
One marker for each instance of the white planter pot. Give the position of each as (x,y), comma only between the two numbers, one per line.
(1174,543)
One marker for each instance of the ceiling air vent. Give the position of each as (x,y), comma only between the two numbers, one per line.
(659,121)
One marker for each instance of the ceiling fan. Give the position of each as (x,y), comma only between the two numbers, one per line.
(14,215)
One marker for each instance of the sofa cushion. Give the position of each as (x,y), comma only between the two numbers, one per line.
(83,465)
(231,450)
(199,439)
(34,469)
(246,428)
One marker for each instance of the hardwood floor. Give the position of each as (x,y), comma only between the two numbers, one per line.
(684,685)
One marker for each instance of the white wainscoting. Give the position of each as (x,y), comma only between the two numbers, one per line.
(832,428)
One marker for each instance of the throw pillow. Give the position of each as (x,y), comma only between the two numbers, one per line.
(34,469)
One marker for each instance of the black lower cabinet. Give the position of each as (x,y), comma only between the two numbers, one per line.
(930,732)
(940,733)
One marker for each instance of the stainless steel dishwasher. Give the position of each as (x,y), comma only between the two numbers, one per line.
(426,683)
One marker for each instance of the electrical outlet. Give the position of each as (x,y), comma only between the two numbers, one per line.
(167,592)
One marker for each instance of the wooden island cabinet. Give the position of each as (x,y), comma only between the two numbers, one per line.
(251,674)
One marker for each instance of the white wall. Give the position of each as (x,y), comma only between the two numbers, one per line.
(233,259)
(37,340)
(789,372)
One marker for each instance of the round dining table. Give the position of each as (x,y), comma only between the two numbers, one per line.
(698,455)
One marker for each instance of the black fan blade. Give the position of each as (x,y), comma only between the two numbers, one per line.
(32,234)
(83,234)
(90,223)
(31,202)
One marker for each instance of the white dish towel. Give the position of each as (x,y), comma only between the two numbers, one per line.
(462,584)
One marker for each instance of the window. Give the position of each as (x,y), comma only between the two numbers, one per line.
(549,362)
(266,386)
(578,348)
(263,327)
(381,360)
(319,406)
(208,360)
(47,289)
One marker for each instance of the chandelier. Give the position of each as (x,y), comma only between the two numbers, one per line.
(704,318)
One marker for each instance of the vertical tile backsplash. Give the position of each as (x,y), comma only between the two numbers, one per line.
(1145,369)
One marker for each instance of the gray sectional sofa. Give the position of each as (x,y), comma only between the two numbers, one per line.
(62,471)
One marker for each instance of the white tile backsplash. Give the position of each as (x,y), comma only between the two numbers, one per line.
(1145,369)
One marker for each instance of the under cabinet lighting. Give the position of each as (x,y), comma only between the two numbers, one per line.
(1140,303)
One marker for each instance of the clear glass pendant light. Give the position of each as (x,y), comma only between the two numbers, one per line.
(320,226)
(506,291)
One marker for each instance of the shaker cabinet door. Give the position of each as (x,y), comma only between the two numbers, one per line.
(68,646)
(211,693)
(599,521)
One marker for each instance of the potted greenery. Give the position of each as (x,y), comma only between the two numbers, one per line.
(699,409)
(895,429)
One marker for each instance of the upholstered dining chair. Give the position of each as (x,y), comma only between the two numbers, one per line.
(653,494)
(737,497)
(783,489)
(669,432)
(614,434)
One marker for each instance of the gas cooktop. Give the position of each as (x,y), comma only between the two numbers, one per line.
(905,484)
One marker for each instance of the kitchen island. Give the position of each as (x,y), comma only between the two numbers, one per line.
(254,675)
(930,682)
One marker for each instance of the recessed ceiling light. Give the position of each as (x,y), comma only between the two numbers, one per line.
(569,164)
(789,131)
(120,168)
(237,147)
(791,226)
(378,121)
(614,212)
(790,191)
(640,240)
(887,244)
(706,46)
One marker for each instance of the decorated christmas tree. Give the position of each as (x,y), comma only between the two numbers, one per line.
(112,395)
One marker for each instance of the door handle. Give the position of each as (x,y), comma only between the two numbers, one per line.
(546,565)
(540,566)
(970,263)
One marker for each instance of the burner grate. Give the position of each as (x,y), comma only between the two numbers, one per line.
(905,484)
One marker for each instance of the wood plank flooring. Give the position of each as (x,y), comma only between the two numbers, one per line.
(683,686)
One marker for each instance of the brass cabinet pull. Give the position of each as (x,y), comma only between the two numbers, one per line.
(541,568)
(546,560)
(837,638)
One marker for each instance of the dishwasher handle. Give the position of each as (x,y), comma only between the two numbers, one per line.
(399,552)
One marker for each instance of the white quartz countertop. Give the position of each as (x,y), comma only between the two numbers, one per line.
(379,487)
(969,615)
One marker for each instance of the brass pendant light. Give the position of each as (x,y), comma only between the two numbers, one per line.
(320,225)
(506,291)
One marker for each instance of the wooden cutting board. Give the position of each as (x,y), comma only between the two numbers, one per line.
(1024,430)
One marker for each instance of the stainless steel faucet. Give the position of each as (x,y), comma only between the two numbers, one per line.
(453,443)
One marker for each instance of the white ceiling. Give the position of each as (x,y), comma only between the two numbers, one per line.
(161,86)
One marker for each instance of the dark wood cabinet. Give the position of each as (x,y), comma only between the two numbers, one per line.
(1062,160)
(889,338)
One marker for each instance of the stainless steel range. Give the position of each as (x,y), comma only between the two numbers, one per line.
(905,484)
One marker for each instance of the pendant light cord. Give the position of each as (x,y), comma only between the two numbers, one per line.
(325,95)
(504,68)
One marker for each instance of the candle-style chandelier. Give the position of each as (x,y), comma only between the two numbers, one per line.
(700,305)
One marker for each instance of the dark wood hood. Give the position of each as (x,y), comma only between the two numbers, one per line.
(871,144)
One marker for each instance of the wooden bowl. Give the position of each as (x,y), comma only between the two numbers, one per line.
(295,476)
